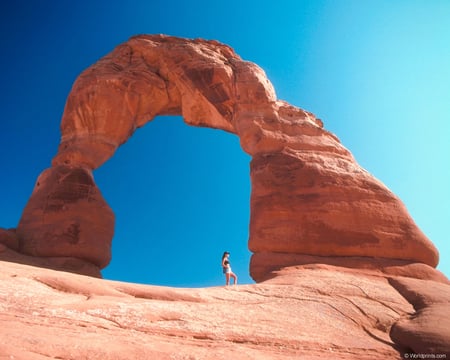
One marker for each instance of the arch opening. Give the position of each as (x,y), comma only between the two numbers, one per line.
(181,197)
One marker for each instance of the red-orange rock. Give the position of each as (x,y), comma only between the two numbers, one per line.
(67,217)
(9,238)
(334,250)
(428,330)
(321,204)
(310,314)
(309,196)
(266,266)
(68,264)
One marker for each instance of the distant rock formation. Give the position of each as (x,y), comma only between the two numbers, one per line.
(309,196)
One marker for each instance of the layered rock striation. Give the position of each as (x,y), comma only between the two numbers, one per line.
(309,196)
(304,313)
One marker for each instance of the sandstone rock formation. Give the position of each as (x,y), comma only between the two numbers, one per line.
(342,270)
(309,196)
(67,216)
(308,312)
(8,239)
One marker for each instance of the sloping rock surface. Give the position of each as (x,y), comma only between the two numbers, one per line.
(303,313)
(427,331)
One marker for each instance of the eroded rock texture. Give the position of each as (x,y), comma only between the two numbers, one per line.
(67,216)
(309,196)
(312,314)
(427,331)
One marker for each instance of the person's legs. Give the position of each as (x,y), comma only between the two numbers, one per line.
(227,278)
(233,275)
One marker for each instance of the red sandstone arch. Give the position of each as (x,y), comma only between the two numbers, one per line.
(309,196)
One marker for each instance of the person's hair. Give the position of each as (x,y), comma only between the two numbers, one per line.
(225,254)
(226,262)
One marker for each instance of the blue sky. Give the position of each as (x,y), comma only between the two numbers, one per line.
(376,72)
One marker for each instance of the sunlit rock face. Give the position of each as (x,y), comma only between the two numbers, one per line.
(67,217)
(306,312)
(426,331)
(309,196)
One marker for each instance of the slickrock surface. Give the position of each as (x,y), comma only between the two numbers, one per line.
(428,330)
(309,196)
(307,313)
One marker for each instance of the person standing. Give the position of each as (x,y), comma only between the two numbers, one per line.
(227,269)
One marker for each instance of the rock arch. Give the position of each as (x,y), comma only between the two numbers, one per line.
(309,196)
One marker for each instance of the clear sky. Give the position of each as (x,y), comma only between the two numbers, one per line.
(376,72)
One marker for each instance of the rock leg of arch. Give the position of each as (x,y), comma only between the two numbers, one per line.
(309,196)
(67,216)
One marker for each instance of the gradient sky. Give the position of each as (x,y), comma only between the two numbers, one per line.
(376,72)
